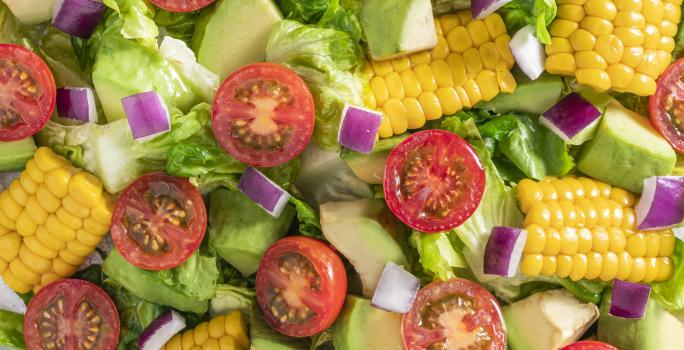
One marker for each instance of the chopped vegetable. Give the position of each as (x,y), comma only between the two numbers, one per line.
(573,119)
(483,8)
(147,115)
(77,104)
(662,203)
(264,192)
(629,299)
(161,330)
(225,332)
(396,290)
(504,251)
(528,52)
(665,106)
(77,17)
(359,128)
(10,300)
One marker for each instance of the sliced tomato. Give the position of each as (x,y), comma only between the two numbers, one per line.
(453,315)
(182,5)
(27,93)
(71,314)
(263,114)
(667,105)
(301,286)
(433,181)
(589,345)
(159,221)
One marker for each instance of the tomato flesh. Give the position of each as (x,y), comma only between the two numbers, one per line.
(263,114)
(182,5)
(71,314)
(433,181)
(159,221)
(27,93)
(667,105)
(301,286)
(589,345)
(452,315)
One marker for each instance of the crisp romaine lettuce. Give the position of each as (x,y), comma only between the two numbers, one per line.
(333,14)
(540,13)
(309,221)
(323,58)
(137,20)
(11,330)
(180,56)
(179,25)
(437,255)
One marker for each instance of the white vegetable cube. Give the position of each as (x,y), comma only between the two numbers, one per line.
(10,300)
(396,290)
(264,192)
(147,115)
(662,203)
(528,52)
(359,128)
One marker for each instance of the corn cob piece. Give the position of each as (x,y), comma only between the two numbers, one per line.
(51,218)
(225,332)
(622,45)
(471,63)
(582,228)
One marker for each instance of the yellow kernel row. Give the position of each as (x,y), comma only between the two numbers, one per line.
(570,189)
(225,332)
(583,212)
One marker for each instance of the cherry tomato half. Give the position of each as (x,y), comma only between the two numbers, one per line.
(301,286)
(27,93)
(433,181)
(589,345)
(667,105)
(71,314)
(159,221)
(454,314)
(182,5)
(263,114)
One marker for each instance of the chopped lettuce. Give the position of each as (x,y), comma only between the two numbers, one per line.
(334,14)
(179,25)
(180,56)
(323,58)
(540,13)
(137,20)
(11,330)
(309,221)
(437,255)
(230,298)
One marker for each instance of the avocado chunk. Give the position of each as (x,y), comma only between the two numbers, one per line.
(15,154)
(531,96)
(240,231)
(234,33)
(547,320)
(370,168)
(264,337)
(657,330)
(362,326)
(397,27)
(625,150)
(367,234)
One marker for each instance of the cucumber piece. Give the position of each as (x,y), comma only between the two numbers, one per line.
(15,154)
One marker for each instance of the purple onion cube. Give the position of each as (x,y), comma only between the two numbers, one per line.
(359,128)
(396,290)
(570,116)
(77,17)
(629,299)
(147,115)
(662,203)
(504,251)
(264,192)
(77,103)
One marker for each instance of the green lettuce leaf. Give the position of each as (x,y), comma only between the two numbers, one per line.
(437,255)
(333,14)
(11,330)
(308,218)
(540,13)
(180,25)
(138,23)
(230,298)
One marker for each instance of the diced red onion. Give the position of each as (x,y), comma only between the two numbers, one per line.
(161,330)
(483,8)
(147,115)
(77,104)
(359,128)
(629,299)
(264,192)
(77,17)
(396,290)
(10,300)
(528,52)
(504,250)
(662,203)
(570,116)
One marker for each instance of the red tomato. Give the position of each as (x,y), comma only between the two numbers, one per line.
(589,345)
(433,181)
(454,314)
(263,114)
(71,314)
(159,221)
(182,5)
(667,105)
(27,93)
(301,286)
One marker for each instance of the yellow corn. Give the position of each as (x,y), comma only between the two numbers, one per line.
(583,228)
(225,332)
(471,63)
(51,218)
(598,34)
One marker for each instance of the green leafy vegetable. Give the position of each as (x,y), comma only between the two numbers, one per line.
(230,298)
(437,255)
(11,330)
(135,314)
(137,20)
(670,294)
(540,13)
(332,14)
(179,25)
(309,221)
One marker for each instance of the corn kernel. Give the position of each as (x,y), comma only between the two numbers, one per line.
(490,56)
(506,81)
(458,70)
(609,266)
(187,340)
(651,37)
(563,265)
(25,225)
(380,90)
(584,240)
(381,68)
(59,230)
(385,129)
(217,327)
(562,28)
(94,227)
(590,60)
(68,219)
(18,193)
(401,64)
(414,113)
(36,211)
(62,268)
(642,85)
(665,269)
(600,239)
(629,36)
(636,244)
(210,344)
(45,237)
(579,267)
(9,246)
(410,83)
(624,265)
(666,44)
(70,258)
(47,160)
(536,239)
(442,74)
(594,265)
(601,8)
(632,56)
(610,48)
(569,241)
(463,95)
(237,328)
(629,19)
(595,78)
(672,12)
(628,5)
(473,62)
(582,40)
(27,183)
(366,70)
(502,43)
(667,243)
(79,249)
(46,199)
(34,172)
(396,112)
(465,17)
(561,63)
(174,343)
(3,266)
(449,100)
(394,85)
(532,264)
(13,282)
(459,39)
(652,244)
(549,266)
(553,241)
(596,25)
(495,25)
(558,45)
(39,248)
(426,77)
(87,238)
(23,273)
(488,83)
(448,22)
(34,262)
(570,12)
(430,104)
(573,2)
(652,268)
(9,206)
(75,209)
(478,32)
(653,10)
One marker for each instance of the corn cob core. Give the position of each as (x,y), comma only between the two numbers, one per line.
(582,228)
(51,218)
(225,332)
(622,45)
(470,63)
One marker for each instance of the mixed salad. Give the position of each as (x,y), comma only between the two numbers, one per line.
(341,174)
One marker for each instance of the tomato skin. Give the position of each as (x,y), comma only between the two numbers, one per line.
(487,314)
(183,246)
(40,107)
(443,145)
(74,291)
(589,345)
(668,83)
(182,5)
(299,116)
(327,265)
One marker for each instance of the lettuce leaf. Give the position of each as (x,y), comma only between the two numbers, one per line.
(137,20)
(540,13)
(333,14)
(11,330)
(437,255)
(179,25)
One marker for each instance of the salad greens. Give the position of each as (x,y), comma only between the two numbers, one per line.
(540,13)
(11,330)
